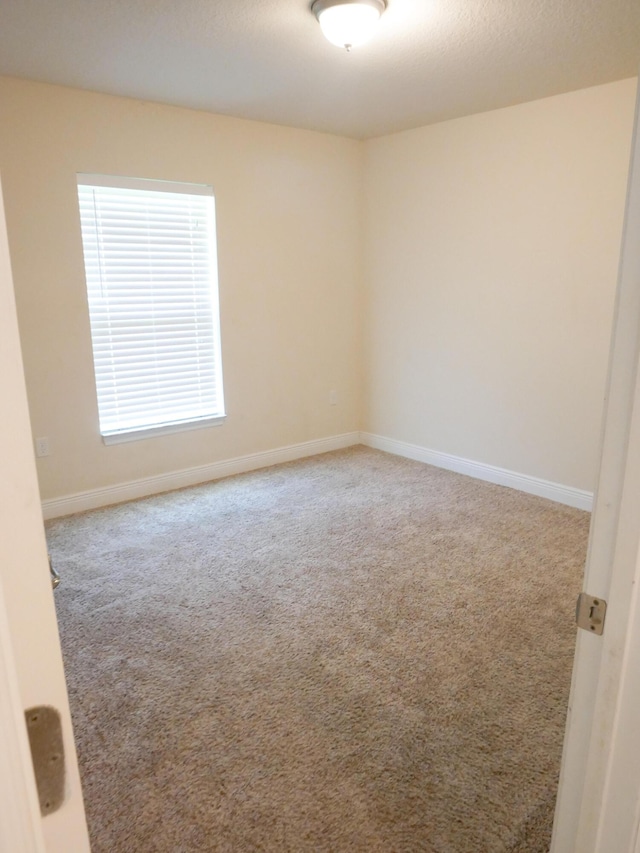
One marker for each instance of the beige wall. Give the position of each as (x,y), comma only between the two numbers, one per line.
(488,247)
(491,258)
(289,245)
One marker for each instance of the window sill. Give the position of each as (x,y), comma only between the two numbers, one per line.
(165,429)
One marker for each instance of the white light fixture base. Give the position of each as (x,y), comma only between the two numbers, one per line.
(347,23)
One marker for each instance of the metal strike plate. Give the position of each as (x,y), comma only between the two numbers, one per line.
(47,753)
(590,613)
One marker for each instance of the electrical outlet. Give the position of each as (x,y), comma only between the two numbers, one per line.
(333,398)
(42,446)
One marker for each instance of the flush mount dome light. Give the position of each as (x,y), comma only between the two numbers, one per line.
(347,23)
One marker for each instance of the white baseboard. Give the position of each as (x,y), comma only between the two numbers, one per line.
(501,476)
(95,498)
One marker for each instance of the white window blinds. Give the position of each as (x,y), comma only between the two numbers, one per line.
(150,261)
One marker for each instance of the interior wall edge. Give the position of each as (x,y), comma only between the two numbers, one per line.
(568,495)
(101,497)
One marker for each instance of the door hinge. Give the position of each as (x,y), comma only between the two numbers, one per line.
(590,612)
(47,753)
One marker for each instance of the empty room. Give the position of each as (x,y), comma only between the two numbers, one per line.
(313,421)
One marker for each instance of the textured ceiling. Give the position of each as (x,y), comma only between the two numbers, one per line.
(267,59)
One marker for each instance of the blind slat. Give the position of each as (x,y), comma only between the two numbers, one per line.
(150,265)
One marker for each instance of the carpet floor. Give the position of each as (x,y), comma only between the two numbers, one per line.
(353,652)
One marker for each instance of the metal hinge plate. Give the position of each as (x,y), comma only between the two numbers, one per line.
(590,613)
(47,753)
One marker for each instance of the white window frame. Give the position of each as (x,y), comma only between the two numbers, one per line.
(207,357)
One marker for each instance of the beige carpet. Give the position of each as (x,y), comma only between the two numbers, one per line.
(354,652)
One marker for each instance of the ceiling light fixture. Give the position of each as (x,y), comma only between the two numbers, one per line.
(347,23)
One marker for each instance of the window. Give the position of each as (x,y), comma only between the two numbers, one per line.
(150,262)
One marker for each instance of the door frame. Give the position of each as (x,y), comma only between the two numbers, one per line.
(610,817)
(611,558)
(31,665)
(20,822)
